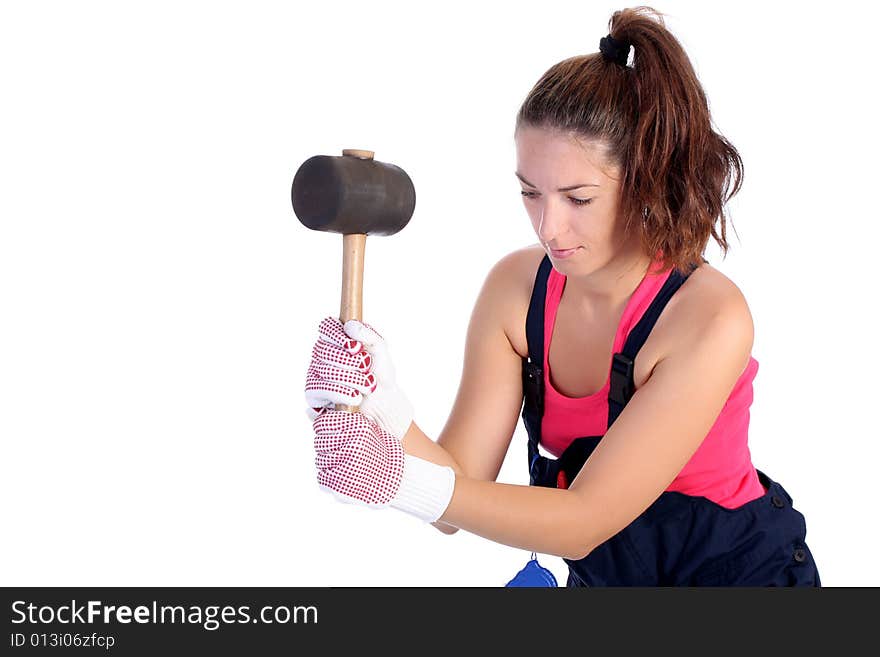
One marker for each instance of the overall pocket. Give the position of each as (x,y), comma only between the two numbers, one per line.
(763,540)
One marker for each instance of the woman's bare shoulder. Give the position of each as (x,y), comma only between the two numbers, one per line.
(712,290)
(705,297)
(519,268)
(511,280)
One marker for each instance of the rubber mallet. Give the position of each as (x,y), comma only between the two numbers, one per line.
(357,196)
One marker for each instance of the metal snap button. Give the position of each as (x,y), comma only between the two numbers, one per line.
(800,555)
(777,501)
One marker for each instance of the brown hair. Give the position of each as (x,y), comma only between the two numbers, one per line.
(654,119)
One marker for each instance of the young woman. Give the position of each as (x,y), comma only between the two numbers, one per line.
(629,354)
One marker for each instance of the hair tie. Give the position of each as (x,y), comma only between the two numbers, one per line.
(614,50)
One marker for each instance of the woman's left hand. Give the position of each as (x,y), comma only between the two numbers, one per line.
(359,462)
(356,460)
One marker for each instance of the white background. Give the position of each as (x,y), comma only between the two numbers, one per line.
(159,298)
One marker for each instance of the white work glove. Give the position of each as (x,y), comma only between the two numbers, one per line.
(351,365)
(358,462)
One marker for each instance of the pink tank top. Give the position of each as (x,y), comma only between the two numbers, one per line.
(721,469)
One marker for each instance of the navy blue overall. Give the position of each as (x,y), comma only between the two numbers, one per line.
(680,540)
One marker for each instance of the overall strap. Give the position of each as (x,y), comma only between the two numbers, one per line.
(533,365)
(622,385)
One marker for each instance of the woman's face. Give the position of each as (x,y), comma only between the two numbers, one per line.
(571,195)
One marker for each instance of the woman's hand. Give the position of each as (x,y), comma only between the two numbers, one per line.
(339,372)
(359,462)
(351,365)
(356,460)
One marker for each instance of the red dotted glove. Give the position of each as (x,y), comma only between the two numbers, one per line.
(359,462)
(351,365)
(339,372)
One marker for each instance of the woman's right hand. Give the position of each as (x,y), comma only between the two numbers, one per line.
(339,371)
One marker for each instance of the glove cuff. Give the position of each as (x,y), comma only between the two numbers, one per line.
(425,489)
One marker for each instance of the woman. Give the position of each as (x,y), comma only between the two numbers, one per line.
(632,353)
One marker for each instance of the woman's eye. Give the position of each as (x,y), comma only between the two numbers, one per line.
(576,201)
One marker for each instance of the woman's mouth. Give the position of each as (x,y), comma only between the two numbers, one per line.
(563,253)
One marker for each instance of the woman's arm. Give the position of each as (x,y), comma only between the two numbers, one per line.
(647,446)
(477,434)
(415,442)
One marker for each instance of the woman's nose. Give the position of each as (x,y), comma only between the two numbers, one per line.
(550,223)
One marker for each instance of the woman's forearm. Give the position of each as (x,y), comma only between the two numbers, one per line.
(541,520)
(417,443)
(535,518)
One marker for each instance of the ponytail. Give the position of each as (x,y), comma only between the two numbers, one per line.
(677,173)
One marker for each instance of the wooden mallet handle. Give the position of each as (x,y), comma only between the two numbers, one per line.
(352,302)
(351,306)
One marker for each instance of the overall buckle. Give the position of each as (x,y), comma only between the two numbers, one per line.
(622,384)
